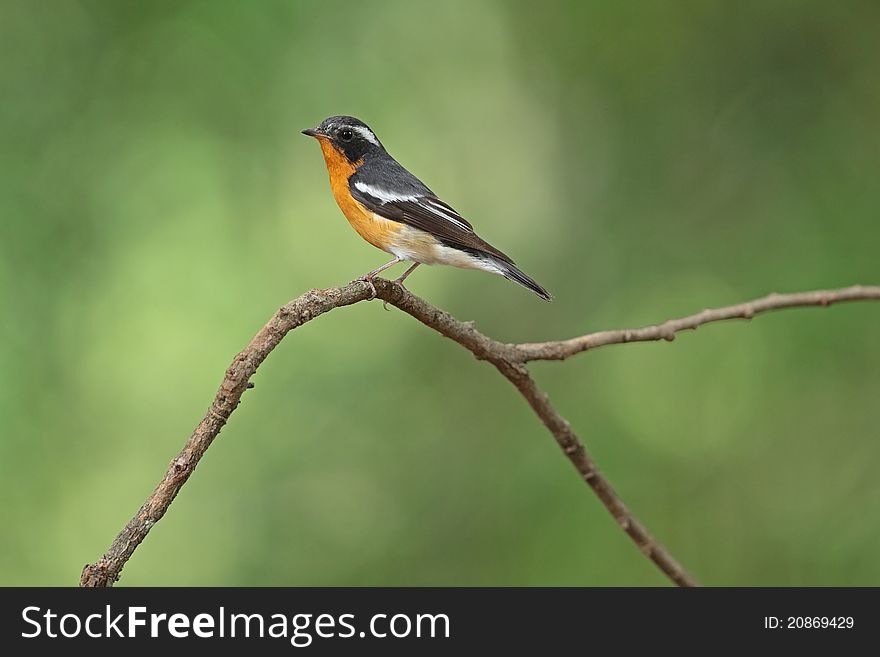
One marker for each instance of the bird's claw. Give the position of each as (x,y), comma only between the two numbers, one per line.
(369,281)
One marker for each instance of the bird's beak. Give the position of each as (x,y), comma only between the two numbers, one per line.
(314,132)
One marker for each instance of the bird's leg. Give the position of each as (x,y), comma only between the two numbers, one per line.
(368,277)
(379,270)
(403,276)
(400,280)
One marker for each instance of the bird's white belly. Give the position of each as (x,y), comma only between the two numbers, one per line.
(422,247)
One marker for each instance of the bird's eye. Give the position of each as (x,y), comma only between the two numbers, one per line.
(346,135)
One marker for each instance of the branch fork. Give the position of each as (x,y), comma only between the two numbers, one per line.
(509,359)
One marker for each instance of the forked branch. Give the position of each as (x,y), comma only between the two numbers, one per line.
(509,359)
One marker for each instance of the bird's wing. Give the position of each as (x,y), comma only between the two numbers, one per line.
(416,206)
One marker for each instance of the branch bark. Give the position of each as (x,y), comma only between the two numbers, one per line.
(509,359)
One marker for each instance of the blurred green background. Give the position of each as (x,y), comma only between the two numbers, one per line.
(642,160)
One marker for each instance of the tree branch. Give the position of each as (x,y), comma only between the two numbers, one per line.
(506,358)
(562,349)
(510,361)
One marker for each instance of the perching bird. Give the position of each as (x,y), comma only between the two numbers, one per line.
(394,211)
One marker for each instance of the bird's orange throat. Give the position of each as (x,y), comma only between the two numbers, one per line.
(377,231)
(338,166)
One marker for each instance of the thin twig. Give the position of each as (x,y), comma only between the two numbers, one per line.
(562,349)
(508,359)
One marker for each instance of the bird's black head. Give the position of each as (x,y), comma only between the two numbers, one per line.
(351,136)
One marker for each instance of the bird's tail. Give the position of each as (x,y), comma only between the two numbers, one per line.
(512,273)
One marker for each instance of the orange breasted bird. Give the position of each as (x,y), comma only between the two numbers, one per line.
(396,212)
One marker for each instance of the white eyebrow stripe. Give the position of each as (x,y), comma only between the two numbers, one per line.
(366,133)
(383,195)
(438,209)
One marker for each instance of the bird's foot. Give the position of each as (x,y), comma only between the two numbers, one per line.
(369,281)
(400,279)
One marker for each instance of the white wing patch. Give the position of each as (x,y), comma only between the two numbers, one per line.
(436,208)
(430,205)
(383,194)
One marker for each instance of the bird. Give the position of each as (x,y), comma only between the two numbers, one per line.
(396,212)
